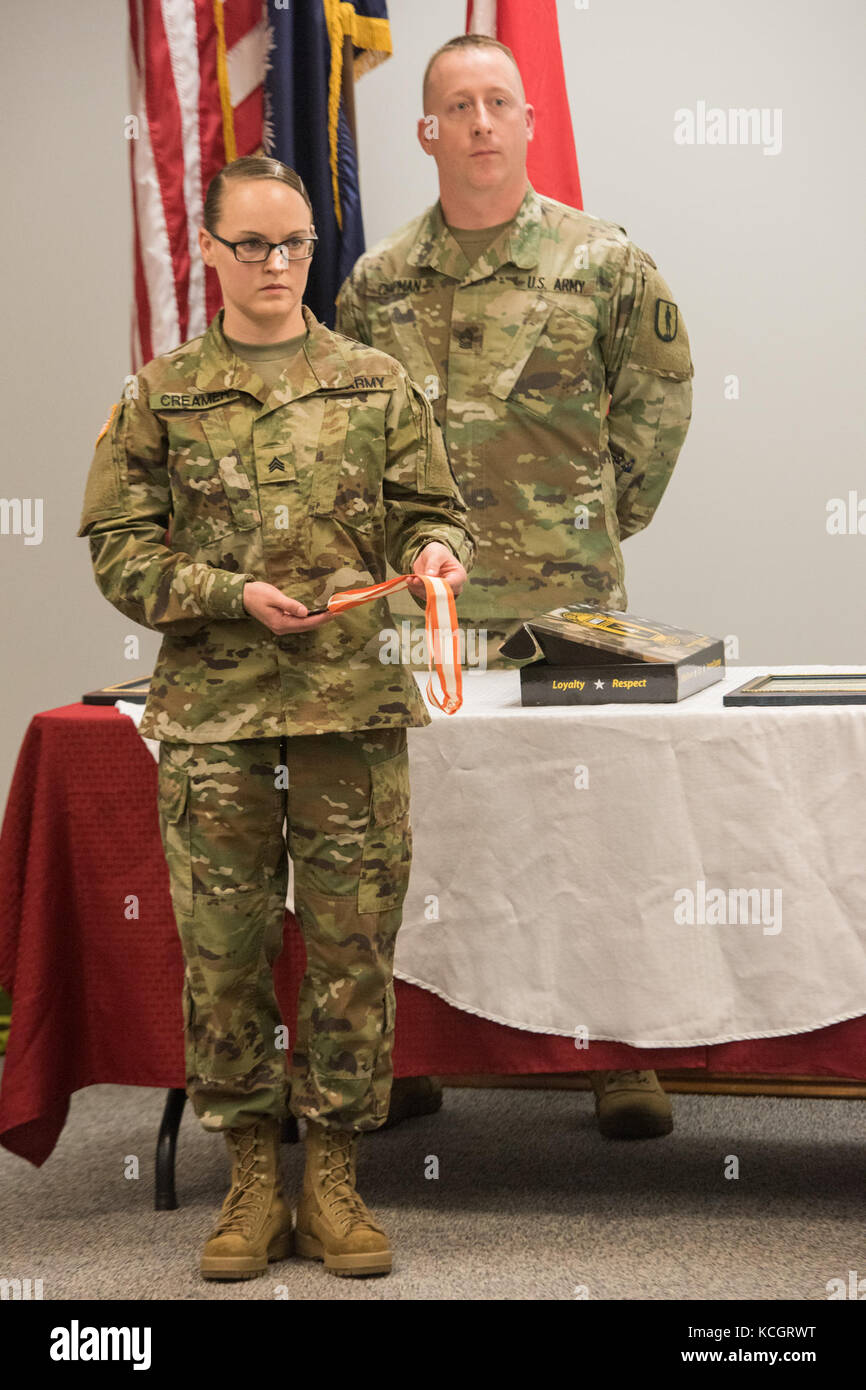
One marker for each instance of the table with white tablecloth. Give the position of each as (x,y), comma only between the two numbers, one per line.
(559,852)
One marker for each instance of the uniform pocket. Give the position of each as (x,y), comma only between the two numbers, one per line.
(551,362)
(236,487)
(329,456)
(350,461)
(387,854)
(173,795)
(507,368)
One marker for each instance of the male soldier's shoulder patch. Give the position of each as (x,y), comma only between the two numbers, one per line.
(666,324)
(661,342)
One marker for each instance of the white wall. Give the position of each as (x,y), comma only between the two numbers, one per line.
(763,254)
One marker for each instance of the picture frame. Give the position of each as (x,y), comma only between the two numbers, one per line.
(801,688)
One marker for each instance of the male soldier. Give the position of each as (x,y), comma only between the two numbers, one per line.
(290,463)
(559,370)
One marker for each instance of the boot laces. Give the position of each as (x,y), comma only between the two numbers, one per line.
(344,1203)
(247,1191)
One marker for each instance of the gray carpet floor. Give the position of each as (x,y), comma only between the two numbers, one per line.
(529,1203)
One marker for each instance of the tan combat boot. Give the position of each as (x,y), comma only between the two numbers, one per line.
(631,1105)
(255,1224)
(333,1223)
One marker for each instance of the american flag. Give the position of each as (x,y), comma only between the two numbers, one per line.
(197,73)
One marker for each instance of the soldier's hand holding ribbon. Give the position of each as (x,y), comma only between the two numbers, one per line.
(438,562)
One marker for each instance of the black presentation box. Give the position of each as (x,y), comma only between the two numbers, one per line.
(134,690)
(594,656)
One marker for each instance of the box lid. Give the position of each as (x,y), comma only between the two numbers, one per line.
(580,632)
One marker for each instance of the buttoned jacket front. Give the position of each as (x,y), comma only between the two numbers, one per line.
(559,369)
(204,480)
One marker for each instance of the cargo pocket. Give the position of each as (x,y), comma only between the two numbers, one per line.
(387,854)
(551,361)
(236,487)
(173,789)
(330,451)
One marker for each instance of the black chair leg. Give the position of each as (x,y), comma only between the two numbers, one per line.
(165,1198)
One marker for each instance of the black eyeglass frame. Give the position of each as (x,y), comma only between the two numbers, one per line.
(271,245)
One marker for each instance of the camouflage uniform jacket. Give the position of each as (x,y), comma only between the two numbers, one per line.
(521,354)
(309,487)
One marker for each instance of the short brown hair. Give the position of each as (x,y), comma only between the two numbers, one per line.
(251,166)
(464,41)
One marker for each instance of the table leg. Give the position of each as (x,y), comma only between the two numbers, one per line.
(165,1199)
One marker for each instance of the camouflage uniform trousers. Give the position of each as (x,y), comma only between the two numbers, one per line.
(222,809)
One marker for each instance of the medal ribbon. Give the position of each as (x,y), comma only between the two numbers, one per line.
(442,632)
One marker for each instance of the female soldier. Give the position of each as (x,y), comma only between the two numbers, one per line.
(289,463)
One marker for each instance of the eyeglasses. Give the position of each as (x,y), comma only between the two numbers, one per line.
(298,248)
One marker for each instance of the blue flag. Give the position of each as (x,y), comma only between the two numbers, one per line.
(306,126)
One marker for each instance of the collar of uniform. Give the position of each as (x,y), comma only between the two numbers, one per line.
(324,355)
(517,244)
(219,369)
(319,364)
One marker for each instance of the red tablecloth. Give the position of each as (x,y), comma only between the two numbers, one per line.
(90,954)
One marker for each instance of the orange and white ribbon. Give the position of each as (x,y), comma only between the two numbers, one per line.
(442,632)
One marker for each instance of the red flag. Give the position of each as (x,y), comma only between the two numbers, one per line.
(531,31)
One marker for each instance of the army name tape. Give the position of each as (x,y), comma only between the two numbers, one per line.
(443,648)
